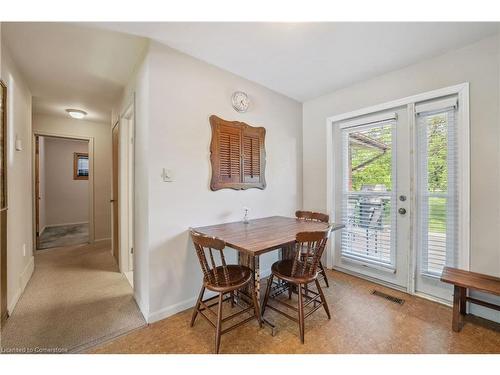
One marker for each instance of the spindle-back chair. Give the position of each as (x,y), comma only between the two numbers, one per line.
(300,271)
(315,216)
(224,279)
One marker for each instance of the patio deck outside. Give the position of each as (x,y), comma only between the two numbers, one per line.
(368,213)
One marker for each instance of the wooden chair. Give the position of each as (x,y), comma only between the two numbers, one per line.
(300,271)
(315,216)
(224,279)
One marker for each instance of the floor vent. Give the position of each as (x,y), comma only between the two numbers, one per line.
(397,300)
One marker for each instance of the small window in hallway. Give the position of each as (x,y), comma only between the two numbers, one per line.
(81,166)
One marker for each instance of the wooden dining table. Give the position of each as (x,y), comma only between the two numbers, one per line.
(260,236)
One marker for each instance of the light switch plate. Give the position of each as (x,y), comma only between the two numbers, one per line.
(167,175)
(19,145)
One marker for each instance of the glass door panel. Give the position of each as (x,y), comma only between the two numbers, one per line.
(372,171)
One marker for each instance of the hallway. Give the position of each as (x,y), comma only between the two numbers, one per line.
(75,299)
(64,235)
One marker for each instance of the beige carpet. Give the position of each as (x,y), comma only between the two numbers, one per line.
(76,298)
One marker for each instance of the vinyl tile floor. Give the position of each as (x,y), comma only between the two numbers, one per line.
(360,323)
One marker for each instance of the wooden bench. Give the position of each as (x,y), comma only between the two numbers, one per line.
(463,280)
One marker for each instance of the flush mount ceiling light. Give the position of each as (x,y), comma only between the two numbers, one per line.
(76,113)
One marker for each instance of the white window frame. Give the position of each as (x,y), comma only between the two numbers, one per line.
(463,123)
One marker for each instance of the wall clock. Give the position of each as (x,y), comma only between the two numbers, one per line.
(240,101)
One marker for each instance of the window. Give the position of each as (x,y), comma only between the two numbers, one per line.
(437,189)
(80,166)
(237,155)
(368,213)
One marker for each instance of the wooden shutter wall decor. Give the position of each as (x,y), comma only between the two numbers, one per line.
(237,154)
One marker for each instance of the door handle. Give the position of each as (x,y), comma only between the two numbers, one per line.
(402,211)
(112,200)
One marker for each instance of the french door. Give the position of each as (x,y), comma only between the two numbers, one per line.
(437,160)
(398,189)
(373,185)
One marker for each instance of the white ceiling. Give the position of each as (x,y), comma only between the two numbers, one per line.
(71,66)
(306,60)
(86,65)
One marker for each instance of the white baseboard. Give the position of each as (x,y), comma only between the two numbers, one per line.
(188,303)
(64,224)
(171,310)
(24,278)
(102,239)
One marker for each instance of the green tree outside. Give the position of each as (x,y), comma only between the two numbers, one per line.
(373,166)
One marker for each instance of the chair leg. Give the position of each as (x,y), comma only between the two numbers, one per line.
(301,314)
(218,327)
(232,299)
(197,306)
(290,290)
(323,299)
(268,291)
(322,270)
(256,307)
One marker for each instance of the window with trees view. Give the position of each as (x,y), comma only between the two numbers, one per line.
(437,198)
(368,180)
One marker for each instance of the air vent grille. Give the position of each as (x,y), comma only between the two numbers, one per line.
(388,297)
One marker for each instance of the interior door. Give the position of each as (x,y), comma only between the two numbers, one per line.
(114,200)
(372,186)
(3,203)
(131,179)
(37,191)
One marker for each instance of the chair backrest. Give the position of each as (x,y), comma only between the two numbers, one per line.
(312,216)
(212,247)
(309,247)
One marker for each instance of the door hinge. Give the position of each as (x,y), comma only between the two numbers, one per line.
(131,250)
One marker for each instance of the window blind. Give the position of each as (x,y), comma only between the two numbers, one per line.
(437,185)
(368,180)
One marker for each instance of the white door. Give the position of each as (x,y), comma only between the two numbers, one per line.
(400,186)
(438,179)
(372,188)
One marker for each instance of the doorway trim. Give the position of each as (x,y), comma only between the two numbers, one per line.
(90,140)
(126,195)
(462,91)
(4,309)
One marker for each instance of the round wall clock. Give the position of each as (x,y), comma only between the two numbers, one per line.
(240,101)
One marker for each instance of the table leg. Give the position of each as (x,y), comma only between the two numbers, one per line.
(457,322)
(463,302)
(253,263)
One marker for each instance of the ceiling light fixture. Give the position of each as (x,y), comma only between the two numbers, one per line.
(76,113)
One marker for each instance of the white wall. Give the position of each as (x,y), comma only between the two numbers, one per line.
(183,92)
(477,64)
(19,175)
(101,134)
(66,199)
